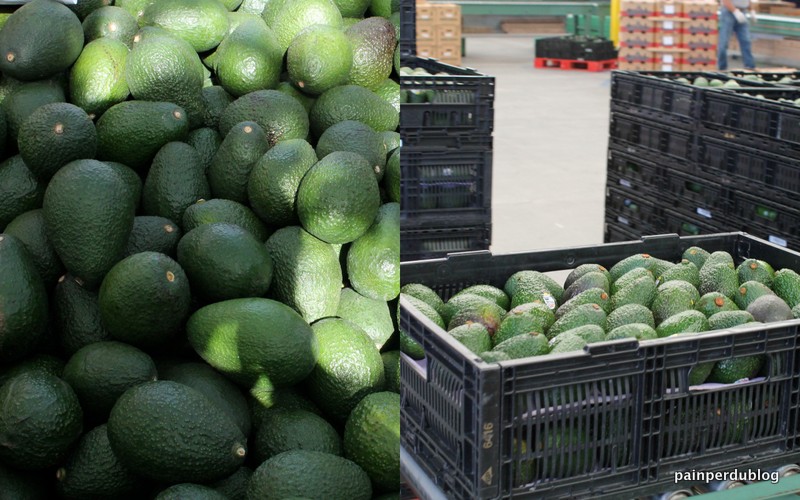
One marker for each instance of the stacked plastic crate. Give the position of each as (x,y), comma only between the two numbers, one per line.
(668,35)
(693,159)
(446,163)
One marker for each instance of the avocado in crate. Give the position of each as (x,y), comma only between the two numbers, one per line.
(621,402)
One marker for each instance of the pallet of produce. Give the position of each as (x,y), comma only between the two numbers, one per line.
(199,223)
(600,370)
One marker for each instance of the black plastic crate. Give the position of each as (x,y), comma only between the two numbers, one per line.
(763,231)
(742,116)
(685,222)
(441,184)
(575,47)
(445,139)
(421,244)
(657,94)
(707,198)
(783,220)
(408,28)
(631,171)
(461,101)
(654,139)
(617,232)
(751,169)
(465,421)
(642,215)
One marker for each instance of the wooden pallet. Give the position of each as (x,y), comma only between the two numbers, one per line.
(576,65)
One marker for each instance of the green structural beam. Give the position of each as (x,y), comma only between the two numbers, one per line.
(529,8)
(777,25)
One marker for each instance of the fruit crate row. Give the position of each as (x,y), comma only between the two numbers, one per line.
(575,47)
(716,200)
(619,418)
(654,155)
(435,242)
(438,96)
(408,29)
(671,97)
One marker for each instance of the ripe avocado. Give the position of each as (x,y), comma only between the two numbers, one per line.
(275,179)
(769,308)
(228,211)
(40,420)
(591,296)
(424,294)
(628,314)
(92,469)
(373,41)
(586,314)
(493,293)
(524,345)
(718,278)
(100,373)
(372,439)
(683,271)
(474,336)
(202,23)
(224,261)
(319,59)
(629,277)
(153,234)
(255,43)
(338,198)
(189,490)
(310,474)
(111,23)
(285,429)
(293,17)
(670,301)
(372,315)
(206,141)
(174,182)
(488,314)
(638,331)
(640,291)
(280,116)
(584,269)
(168,431)
(714,302)
(627,264)
(230,169)
(750,291)
(355,137)
(30,230)
(336,391)
(23,302)
(39,40)
(594,279)
(54,135)
(755,270)
(525,318)
(76,313)
(730,370)
(373,260)
(729,319)
(20,190)
(89,228)
(691,321)
(97,79)
(352,102)
(786,285)
(696,256)
(589,333)
(27,98)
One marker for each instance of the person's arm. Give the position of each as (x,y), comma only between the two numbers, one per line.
(753,10)
(738,14)
(728,4)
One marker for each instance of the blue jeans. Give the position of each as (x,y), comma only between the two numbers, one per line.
(728,24)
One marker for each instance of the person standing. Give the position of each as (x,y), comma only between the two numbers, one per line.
(732,19)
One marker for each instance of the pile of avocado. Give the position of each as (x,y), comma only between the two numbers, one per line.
(418,96)
(199,249)
(641,297)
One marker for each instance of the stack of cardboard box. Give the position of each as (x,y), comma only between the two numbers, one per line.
(439,32)
(668,35)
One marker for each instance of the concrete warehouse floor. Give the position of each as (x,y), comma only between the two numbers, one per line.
(550,140)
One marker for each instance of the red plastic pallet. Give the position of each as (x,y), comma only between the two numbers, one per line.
(571,64)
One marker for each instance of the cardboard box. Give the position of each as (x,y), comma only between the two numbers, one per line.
(669,25)
(633,24)
(425,13)
(667,38)
(700,9)
(426,33)
(701,26)
(638,8)
(449,50)
(426,49)
(667,58)
(685,66)
(779,10)
(634,55)
(700,57)
(448,33)
(669,8)
(447,13)
(699,42)
(635,66)
(634,39)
